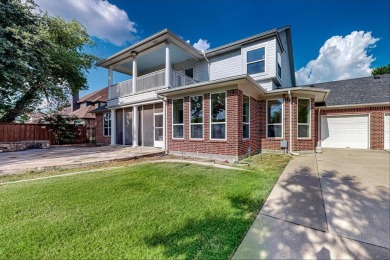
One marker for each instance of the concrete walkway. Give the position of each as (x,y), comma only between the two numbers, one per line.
(67,157)
(334,205)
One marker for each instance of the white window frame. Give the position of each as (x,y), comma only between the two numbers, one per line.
(265,59)
(109,123)
(216,123)
(298,124)
(266,115)
(249,116)
(189,109)
(177,138)
(279,63)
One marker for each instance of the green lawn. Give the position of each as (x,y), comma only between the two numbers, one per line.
(166,210)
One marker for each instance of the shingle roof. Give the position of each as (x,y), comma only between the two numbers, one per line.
(99,95)
(84,112)
(356,91)
(100,109)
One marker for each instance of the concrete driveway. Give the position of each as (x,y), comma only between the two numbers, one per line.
(334,205)
(68,156)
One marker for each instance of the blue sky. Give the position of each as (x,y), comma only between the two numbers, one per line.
(116,24)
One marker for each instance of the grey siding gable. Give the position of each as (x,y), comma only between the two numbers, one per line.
(286,70)
(226,65)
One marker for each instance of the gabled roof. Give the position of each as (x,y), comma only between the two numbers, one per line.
(367,90)
(96,96)
(84,112)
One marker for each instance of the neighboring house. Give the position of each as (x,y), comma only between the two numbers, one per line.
(221,103)
(82,107)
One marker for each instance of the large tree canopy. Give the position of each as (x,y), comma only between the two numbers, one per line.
(41,58)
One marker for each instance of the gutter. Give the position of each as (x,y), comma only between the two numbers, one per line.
(208,65)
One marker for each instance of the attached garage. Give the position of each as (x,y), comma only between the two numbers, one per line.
(345,131)
(387,132)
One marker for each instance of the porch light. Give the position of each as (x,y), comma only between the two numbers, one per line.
(134,53)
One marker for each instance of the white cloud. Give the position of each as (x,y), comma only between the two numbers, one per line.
(101,19)
(340,58)
(202,45)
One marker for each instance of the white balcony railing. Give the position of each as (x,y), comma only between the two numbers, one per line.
(149,82)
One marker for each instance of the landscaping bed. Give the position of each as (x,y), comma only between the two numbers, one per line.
(141,211)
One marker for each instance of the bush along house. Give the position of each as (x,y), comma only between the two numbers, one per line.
(235,98)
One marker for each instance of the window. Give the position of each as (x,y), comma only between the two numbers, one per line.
(189,72)
(255,60)
(274,118)
(218,115)
(304,118)
(279,65)
(178,119)
(107,124)
(196,117)
(245,117)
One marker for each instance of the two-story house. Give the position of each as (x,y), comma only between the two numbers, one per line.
(221,103)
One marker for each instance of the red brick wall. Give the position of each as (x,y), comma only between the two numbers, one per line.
(255,121)
(100,139)
(219,147)
(302,144)
(376,122)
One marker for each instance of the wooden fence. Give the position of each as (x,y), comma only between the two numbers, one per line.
(25,132)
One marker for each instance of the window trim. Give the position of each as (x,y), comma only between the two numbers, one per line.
(309,137)
(249,123)
(266,115)
(210,115)
(189,116)
(178,138)
(265,59)
(109,126)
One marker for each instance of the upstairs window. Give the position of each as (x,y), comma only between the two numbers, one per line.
(304,118)
(274,118)
(107,124)
(245,117)
(178,119)
(255,60)
(279,65)
(189,72)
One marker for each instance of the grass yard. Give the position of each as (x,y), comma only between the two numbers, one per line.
(146,211)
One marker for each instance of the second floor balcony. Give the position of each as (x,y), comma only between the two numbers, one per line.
(150,82)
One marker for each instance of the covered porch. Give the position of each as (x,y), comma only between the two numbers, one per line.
(139,125)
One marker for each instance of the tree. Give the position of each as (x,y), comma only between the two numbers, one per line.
(64,129)
(41,57)
(381,70)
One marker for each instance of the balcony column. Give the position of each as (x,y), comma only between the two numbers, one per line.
(110,81)
(134,79)
(135,126)
(167,65)
(113,127)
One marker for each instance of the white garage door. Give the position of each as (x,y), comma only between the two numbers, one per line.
(344,131)
(387,132)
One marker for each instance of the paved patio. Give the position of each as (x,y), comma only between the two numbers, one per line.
(334,205)
(39,159)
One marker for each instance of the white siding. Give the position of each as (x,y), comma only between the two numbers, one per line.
(270,58)
(200,69)
(267,84)
(286,70)
(226,65)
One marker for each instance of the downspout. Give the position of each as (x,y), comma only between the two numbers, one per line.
(164,100)
(319,148)
(290,115)
(208,64)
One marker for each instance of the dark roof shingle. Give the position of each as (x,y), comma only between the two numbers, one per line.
(365,90)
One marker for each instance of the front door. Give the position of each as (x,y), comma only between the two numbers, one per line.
(158,129)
